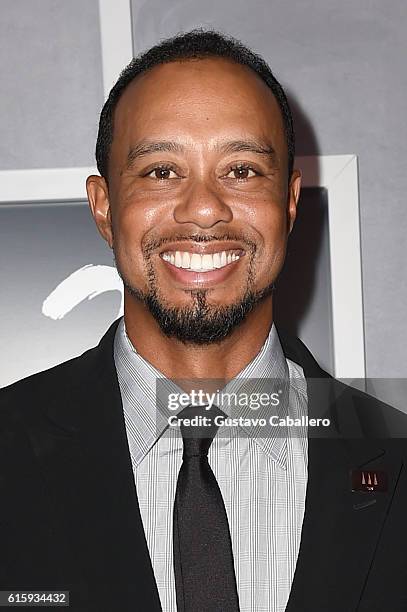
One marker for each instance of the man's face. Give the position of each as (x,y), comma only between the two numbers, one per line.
(199,205)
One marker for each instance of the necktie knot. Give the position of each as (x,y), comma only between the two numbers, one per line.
(198,429)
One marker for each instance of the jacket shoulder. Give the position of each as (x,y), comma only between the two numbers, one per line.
(22,397)
(356,413)
(26,401)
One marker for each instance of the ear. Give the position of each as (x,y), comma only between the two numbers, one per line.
(293,197)
(98,198)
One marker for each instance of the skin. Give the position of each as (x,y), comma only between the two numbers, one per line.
(201,105)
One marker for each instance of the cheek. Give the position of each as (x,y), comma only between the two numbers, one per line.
(272,226)
(128,238)
(270,222)
(130,224)
(128,231)
(138,218)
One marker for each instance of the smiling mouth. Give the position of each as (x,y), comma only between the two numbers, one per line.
(196,262)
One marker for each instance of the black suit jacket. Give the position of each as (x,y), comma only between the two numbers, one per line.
(69,515)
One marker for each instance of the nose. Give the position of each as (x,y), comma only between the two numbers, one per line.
(203,206)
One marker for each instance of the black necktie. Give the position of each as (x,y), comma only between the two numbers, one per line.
(203,560)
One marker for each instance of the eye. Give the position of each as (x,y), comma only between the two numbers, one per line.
(242,172)
(162,173)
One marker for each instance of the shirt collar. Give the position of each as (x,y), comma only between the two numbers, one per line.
(138,380)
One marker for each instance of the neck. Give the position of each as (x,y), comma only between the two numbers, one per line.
(175,359)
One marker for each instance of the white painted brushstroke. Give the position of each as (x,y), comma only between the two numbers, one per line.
(84,284)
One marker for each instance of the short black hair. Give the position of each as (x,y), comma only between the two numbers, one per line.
(196,44)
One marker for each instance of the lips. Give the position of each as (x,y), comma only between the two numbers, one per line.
(198,262)
(194,265)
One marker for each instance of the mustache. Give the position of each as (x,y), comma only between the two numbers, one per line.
(157,243)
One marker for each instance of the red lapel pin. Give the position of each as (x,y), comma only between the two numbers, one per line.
(369,481)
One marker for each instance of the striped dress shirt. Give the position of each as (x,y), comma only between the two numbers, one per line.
(262,474)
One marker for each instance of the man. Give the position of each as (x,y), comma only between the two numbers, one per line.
(101,497)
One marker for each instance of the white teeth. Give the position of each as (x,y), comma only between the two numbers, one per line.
(195,262)
(207,262)
(199,263)
(216,260)
(186,259)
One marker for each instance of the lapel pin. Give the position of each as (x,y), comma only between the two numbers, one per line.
(369,481)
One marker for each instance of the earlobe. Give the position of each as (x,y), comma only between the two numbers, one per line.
(98,198)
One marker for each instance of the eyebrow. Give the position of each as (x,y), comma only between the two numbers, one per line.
(251,146)
(169,146)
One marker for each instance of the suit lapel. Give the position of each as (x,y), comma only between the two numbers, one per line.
(86,463)
(340,529)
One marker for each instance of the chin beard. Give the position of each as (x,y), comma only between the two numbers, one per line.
(200,323)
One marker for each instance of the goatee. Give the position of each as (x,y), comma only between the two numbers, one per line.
(200,323)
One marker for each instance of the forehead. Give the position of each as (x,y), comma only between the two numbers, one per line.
(201,99)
